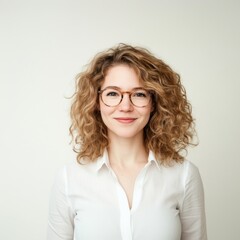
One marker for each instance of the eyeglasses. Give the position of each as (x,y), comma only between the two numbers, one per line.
(112,97)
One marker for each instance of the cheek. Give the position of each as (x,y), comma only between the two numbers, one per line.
(148,115)
(148,110)
(105,110)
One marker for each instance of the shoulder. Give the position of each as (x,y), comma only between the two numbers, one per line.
(181,174)
(189,169)
(191,179)
(183,169)
(75,174)
(190,172)
(74,169)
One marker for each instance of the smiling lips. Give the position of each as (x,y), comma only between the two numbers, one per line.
(125,120)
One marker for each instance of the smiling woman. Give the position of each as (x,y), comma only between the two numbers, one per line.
(130,122)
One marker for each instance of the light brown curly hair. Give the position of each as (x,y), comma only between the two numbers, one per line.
(171,126)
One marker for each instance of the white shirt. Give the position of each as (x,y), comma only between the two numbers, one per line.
(88,203)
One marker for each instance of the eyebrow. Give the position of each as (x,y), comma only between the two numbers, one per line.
(118,88)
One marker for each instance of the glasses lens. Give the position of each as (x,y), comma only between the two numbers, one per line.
(140,98)
(111,97)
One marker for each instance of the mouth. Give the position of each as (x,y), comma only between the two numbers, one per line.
(125,120)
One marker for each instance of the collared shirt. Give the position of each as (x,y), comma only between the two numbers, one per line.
(88,203)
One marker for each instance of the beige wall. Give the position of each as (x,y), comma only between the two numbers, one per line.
(44,44)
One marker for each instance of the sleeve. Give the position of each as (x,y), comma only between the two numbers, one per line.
(192,210)
(61,214)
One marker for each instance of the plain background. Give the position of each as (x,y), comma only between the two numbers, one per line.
(44,44)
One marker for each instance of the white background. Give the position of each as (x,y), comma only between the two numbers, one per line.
(44,44)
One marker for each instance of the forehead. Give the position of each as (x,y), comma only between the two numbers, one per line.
(121,76)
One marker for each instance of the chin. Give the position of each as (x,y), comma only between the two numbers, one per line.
(126,134)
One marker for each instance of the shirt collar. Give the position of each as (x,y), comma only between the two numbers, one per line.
(152,159)
(104,161)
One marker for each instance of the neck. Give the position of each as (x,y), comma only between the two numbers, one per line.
(126,151)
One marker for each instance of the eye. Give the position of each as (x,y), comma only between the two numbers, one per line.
(140,94)
(112,93)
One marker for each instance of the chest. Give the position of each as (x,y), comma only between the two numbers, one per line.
(127,179)
(104,207)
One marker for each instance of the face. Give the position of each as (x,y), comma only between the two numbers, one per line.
(124,120)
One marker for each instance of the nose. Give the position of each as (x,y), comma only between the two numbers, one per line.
(126,104)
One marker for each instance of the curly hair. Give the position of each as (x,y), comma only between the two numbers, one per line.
(171,126)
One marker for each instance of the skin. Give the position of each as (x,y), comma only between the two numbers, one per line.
(125,123)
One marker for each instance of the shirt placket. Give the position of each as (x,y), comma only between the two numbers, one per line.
(126,224)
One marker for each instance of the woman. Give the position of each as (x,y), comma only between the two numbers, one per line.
(131,121)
